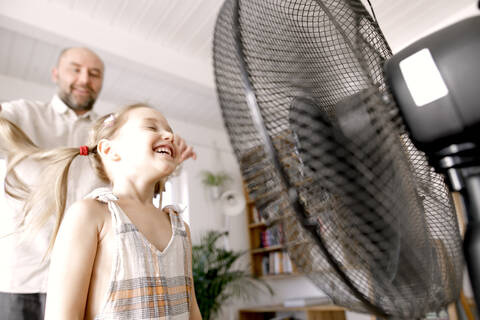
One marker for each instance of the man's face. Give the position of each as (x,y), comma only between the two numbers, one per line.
(79,78)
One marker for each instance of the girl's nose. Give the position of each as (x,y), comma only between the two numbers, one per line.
(167,135)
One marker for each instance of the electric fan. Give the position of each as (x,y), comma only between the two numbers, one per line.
(324,151)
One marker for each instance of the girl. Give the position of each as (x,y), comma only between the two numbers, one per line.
(116,256)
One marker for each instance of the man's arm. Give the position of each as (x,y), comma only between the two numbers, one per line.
(11,110)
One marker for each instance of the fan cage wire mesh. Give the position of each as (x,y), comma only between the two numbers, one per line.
(385,216)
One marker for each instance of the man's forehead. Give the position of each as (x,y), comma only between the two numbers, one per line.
(81,56)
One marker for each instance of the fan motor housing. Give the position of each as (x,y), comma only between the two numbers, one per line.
(435,82)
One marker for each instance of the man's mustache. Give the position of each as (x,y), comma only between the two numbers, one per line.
(88,88)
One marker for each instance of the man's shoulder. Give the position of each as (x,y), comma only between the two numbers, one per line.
(23,110)
(24,104)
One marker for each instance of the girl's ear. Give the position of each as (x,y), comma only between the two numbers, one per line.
(106,151)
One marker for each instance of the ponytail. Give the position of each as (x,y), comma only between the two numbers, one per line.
(49,195)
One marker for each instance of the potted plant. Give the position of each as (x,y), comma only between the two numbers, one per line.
(217,282)
(215,181)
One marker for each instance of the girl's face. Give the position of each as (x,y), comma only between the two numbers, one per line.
(145,144)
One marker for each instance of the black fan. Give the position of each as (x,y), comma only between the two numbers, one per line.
(324,151)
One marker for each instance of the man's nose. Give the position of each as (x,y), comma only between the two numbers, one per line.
(83,77)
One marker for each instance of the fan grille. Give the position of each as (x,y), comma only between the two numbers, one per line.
(384,215)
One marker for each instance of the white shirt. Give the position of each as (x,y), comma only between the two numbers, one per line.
(23,268)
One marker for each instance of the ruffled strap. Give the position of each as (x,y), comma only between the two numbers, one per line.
(176,208)
(102,194)
(106,195)
(175,211)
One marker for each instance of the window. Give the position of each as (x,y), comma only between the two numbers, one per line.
(176,192)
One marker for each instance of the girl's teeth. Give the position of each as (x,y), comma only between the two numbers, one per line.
(163,150)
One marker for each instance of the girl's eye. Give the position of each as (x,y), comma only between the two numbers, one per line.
(152,128)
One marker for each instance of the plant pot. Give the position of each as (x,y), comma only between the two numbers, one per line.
(215,192)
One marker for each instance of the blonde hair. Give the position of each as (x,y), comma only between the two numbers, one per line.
(49,196)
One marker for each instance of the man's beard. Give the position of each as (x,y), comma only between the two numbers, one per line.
(70,101)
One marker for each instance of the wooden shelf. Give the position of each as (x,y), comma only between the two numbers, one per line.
(281,276)
(323,312)
(280,308)
(256,225)
(262,223)
(267,249)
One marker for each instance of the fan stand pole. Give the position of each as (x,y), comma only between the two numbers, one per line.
(461,165)
(471,242)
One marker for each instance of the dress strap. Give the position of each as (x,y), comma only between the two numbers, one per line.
(106,195)
(175,211)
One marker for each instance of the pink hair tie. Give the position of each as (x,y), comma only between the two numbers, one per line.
(84,151)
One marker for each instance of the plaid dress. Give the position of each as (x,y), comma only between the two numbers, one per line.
(146,283)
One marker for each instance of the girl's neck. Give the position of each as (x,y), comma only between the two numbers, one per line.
(139,192)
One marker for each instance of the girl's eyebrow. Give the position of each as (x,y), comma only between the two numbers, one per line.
(156,121)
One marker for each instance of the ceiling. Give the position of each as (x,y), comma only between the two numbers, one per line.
(159,51)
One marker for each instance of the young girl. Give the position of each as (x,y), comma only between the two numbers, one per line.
(116,256)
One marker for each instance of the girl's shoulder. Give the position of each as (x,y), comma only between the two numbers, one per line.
(88,206)
(87,213)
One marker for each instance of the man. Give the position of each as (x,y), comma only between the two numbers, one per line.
(62,122)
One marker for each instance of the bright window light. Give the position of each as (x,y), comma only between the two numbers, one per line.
(176,192)
(423,78)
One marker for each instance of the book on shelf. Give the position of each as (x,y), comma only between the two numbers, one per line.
(275,263)
(256,217)
(307,301)
(272,236)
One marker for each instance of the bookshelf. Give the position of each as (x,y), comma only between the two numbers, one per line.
(324,312)
(268,255)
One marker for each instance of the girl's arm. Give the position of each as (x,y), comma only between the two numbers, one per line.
(72,261)
(194,310)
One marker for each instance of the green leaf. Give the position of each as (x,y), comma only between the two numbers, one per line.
(216,280)
(211,179)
